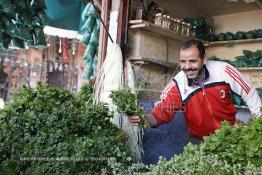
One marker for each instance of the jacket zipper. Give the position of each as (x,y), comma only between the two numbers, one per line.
(208,105)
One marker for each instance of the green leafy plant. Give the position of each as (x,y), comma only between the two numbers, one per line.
(126,102)
(240,145)
(230,151)
(50,131)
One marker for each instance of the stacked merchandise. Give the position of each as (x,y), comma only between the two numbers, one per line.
(240,35)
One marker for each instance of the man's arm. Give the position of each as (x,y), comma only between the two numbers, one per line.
(163,111)
(151,119)
(243,87)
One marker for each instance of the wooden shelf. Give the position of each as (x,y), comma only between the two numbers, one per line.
(233,42)
(249,68)
(148,26)
(142,60)
(144,25)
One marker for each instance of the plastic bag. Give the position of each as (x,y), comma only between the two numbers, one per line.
(20,6)
(85,12)
(10,28)
(8,8)
(1,38)
(94,64)
(29,43)
(86,38)
(89,25)
(39,5)
(90,52)
(91,11)
(39,37)
(23,19)
(22,33)
(36,22)
(18,42)
(88,71)
(41,18)
(28,14)
(94,40)
(5,41)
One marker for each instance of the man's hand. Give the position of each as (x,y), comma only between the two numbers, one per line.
(134,120)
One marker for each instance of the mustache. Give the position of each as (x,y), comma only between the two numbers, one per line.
(185,70)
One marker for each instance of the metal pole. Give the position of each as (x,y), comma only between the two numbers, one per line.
(102,21)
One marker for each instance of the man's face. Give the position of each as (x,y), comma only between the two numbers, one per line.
(191,63)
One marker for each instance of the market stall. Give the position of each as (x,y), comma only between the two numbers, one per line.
(231,31)
(127,51)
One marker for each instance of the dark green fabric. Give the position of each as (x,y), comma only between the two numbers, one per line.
(65,14)
(90,32)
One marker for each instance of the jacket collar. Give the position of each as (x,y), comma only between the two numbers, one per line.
(193,82)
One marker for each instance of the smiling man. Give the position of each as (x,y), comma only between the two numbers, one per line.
(202,90)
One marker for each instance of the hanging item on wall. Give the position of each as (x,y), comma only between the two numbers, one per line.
(65,56)
(56,66)
(65,68)
(50,67)
(74,80)
(73,47)
(51,51)
(91,39)
(60,67)
(12,63)
(60,46)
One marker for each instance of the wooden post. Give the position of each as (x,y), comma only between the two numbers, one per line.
(103,37)
(122,28)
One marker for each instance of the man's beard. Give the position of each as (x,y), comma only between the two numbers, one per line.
(197,77)
(191,72)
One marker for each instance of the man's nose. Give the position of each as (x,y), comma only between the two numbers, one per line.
(187,65)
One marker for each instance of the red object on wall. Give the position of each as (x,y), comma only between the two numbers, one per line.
(65,56)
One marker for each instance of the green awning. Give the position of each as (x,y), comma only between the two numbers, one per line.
(65,14)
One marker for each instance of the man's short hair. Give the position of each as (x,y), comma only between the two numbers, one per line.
(199,45)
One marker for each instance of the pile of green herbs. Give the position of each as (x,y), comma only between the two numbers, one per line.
(51,131)
(231,150)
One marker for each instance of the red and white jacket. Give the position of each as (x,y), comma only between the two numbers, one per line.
(206,105)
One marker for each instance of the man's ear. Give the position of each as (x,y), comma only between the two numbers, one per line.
(205,59)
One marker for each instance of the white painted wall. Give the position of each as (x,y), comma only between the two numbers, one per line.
(113,21)
(233,51)
(236,22)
